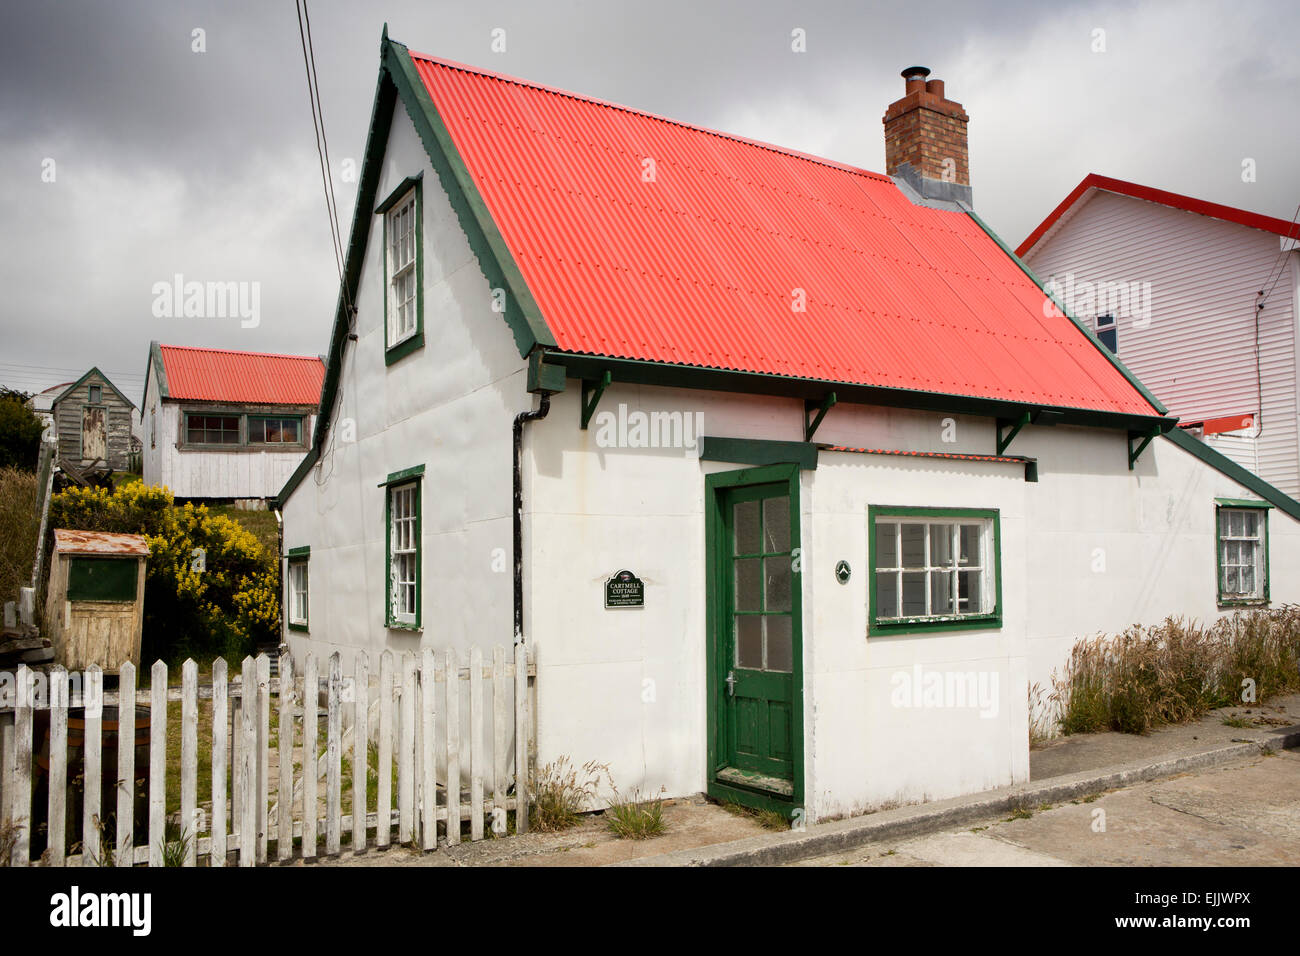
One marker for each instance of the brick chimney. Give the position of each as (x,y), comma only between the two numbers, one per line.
(925,139)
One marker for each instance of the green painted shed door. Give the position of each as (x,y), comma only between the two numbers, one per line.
(757,651)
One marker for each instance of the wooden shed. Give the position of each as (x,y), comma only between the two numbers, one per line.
(94,606)
(93,422)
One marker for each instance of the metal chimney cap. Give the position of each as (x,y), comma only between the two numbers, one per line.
(915,71)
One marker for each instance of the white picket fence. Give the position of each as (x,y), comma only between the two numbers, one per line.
(413,712)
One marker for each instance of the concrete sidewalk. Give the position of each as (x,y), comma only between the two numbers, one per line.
(1065,769)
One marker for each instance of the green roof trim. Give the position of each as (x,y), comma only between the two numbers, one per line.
(79,382)
(1234,471)
(1241,503)
(1111,356)
(759,451)
(396,477)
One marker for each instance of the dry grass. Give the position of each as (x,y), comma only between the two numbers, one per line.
(9,833)
(562,792)
(635,818)
(19,527)
(1177,671)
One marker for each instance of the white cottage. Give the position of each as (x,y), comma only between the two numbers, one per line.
(1199,300)
(785,469)
(226,426)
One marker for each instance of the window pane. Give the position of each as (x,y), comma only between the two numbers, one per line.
(745,520)
(970,545)
(913,593)
(749,642)
(886,545)
(776,524)
(256,429)
(747,585)
(886,594)
(780,643)
(941,593)
(1247,580)
(1252,523)
(913,547)
(1223,522)
(1232,585)
(779,576)
(1233,549)
(289,430)
(940,545)
(1234,523)
(968,592)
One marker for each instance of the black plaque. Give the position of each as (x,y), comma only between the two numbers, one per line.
(624,589)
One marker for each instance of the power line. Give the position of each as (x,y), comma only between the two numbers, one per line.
(1280,264)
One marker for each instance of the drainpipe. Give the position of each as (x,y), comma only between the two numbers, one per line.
(520,420)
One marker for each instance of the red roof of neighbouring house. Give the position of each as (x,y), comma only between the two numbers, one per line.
(701,266)
(1212,209)
(218,375)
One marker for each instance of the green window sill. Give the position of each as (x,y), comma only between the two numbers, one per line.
(399,626)
(991,622)
(396,353)
(299,627)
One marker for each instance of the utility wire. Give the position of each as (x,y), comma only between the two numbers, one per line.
(317,120)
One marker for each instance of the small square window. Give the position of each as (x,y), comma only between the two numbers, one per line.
(1108,333)
(1243,555)
(96,394)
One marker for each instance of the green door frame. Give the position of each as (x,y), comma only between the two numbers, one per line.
(717,622)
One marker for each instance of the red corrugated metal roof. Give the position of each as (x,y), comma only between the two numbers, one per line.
(700,266)
(217,375)
(1186,203)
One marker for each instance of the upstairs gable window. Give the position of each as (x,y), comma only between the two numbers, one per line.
(403,267)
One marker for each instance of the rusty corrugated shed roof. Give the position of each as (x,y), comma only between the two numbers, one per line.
(218,375)
(702,265)
(106,543)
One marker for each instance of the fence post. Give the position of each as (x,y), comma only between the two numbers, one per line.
(500,739)
(360,750)
(57,818)
(189,759)
(429,699)
(125,821)
(384,810)
(453,746)
(248,764)
(157,762)
(476,743)
(310,724)
(92,700)
(406,753)
(220,714)
(521,739)
(333,760)
(284,820)
(263,760)
(21,805)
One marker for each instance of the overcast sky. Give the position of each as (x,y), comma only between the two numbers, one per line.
(167,160)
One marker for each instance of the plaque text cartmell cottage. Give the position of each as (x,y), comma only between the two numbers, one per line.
(624,589)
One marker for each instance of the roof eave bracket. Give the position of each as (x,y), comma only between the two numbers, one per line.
(1143,439)
(591,392)
(821,408)
(1015,424)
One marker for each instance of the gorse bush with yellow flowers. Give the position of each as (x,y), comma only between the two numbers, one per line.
(212,588)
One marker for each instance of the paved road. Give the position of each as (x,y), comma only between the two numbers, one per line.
(1241,814)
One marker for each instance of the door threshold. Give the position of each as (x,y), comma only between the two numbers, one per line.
(757,781)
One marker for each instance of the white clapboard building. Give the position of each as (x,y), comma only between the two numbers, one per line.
(781,468)
(1200,302)
(226,426)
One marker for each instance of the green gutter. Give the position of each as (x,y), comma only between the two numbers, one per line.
(1234,471)
(1111,356)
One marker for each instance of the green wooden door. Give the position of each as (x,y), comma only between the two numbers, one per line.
(756,636)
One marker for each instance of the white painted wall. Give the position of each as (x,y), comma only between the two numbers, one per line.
(448,406)
(1198,353)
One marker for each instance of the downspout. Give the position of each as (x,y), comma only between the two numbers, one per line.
(520,420)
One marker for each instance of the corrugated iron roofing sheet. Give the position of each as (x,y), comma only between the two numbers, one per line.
(216,375)
(701,266)
(99,542)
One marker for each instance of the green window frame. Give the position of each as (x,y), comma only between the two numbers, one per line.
(926,563)
(1241,552)
(404,553)
(103,579)
(297,589)
(403,256)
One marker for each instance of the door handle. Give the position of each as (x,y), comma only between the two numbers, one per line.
(731,684)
